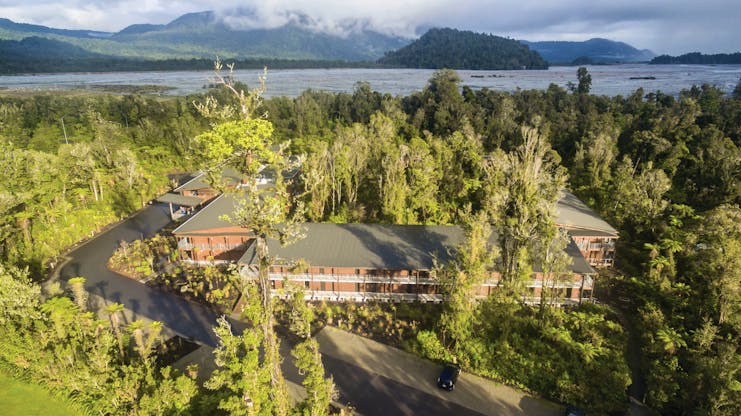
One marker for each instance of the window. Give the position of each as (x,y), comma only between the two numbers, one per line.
(321,270)
(306,284)
(322,285)
(568,292)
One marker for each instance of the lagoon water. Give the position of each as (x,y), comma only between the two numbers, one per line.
(606,80)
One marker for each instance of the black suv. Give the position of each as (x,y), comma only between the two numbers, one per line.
(448,377)
(573,411)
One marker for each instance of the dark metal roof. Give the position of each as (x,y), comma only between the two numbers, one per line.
(382,246)
(198,181)
(589,233)
(371,246)
(232,177)
(573,214)
(578,263)
(187,201)
(209,217)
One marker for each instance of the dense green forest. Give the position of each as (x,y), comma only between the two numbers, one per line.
(664,170)
(697,58)
(461,49)
(42,55)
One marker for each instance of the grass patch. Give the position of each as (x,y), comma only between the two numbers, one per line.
(21,398)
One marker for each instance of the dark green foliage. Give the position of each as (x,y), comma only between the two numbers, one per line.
(661,169)
(561,357)
(697,58)
(456,49)
(74,163)
(216,286)
(656,166)
(18,62)
(60,345)
(584,81)
(141,258)
(37,48)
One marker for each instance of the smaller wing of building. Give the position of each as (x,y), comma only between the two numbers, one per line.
(594,237)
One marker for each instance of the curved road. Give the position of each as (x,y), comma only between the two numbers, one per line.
(89,261)
(369,393)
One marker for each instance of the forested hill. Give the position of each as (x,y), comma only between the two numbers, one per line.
(697,58)
(594,50)
(457,49)
(11,29)
(41,55)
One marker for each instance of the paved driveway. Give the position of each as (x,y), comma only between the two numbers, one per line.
(474,394)
(374,379)
(89,260)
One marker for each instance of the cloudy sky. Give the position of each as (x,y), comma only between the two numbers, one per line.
(664,26)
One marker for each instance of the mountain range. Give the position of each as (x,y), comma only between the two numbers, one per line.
(205,35)
(592,51)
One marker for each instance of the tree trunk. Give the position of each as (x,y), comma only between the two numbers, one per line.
(272,353)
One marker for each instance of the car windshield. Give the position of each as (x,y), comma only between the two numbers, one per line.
(449,372)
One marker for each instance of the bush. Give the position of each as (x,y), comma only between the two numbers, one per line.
(431,347)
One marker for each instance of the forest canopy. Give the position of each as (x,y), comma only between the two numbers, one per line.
(697,58)
(461,49)
(664,170)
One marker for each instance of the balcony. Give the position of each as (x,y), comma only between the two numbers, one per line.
(352,278)
(185,245)
(338,296)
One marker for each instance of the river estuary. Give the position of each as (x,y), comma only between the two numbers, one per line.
(606,80)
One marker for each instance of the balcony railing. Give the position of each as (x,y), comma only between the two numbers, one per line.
(364,296)
(352,278)
(183,245)
(340,296)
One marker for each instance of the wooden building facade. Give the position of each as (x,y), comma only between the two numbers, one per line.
(358,262)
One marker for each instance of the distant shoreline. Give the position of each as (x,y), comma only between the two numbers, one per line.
(103,65)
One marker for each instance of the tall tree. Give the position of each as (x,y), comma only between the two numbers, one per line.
(243,140)
(319,389)
(316,176)
(584,80)
(473,262)
(522,190)
(555,265)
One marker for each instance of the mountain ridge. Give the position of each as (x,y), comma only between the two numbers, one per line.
(594,50)
(206,34)
(10,25)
